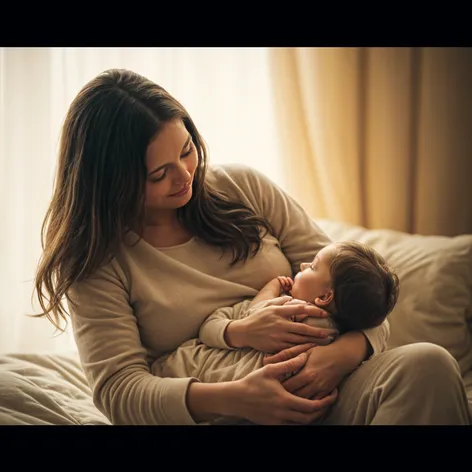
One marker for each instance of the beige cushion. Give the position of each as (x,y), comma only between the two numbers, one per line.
(435,300)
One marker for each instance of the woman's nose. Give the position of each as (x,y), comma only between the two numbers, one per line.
(182,175)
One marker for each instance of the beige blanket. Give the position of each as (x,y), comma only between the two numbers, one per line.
(42,389)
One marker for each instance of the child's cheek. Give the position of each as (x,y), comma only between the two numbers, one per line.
(295,286)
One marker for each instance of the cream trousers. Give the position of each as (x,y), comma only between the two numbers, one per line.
(416,384)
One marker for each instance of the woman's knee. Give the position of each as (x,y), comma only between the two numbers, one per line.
(425,362)
(413,384)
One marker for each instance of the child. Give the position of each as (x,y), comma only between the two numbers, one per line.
(349,279)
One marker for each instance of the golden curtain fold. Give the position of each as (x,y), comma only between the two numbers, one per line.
(380,137)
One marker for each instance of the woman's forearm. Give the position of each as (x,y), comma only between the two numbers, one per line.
(206,401)
(349,350)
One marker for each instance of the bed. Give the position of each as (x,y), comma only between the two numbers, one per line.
(45,389)
(435,305)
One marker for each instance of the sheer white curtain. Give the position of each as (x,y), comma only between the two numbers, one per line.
(225,90)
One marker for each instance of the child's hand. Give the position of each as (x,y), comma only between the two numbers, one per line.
(286,283)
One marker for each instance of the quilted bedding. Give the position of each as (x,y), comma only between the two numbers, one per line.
(45,389)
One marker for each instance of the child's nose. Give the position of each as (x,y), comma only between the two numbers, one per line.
(303,266)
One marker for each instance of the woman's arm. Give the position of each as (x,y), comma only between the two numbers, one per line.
(299,236)
(326,366)
(114,359)
(114,362)
(259,398)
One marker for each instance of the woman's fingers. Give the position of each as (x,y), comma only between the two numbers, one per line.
(312,331)
(329,399)
(287,354)
(289,311)
(296,383)
(294,418)
(275,405)
(278,301)
(320,406)
(307,331)
(279,370)
(302,339)
(304,405)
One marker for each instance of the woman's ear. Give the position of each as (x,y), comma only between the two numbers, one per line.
(325,299)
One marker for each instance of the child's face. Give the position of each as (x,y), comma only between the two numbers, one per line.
(314,279)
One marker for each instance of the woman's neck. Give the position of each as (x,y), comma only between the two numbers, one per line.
(163,219)
(165,230)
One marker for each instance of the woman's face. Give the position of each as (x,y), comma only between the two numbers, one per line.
(171,160)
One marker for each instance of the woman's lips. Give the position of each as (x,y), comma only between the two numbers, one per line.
(181,192)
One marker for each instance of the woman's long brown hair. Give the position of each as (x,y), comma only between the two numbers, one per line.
(100,181)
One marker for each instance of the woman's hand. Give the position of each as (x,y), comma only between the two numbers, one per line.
(269,326)
(287,354)
(320,374)
(260,397)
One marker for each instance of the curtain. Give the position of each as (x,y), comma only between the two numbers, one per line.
(380,137)
(225,90)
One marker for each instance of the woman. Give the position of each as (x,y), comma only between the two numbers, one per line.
(144,242)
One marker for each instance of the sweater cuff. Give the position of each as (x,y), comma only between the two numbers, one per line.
(378,337)
(174,401)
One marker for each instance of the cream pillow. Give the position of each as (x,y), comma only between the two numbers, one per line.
(435,300)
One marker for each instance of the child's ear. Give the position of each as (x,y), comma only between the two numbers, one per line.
(325,299)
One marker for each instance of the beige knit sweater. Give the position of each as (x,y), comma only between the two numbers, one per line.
(147,302)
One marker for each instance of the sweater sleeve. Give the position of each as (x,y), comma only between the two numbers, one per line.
(113,358)
(300,238)
(378,337)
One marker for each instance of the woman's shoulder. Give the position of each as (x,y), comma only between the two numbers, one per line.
(112,273)
(238,176)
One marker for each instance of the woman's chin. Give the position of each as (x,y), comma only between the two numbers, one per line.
(184,199)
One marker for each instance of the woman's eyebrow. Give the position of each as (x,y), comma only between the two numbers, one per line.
(157,169)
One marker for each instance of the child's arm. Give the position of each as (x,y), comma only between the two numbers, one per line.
(273,289)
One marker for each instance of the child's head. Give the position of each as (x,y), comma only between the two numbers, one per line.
(352,281)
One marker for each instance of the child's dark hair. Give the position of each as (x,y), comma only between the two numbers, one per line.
(365,287)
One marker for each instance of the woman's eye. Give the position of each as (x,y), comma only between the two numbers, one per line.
(187,153)
(183,156)
(159,179)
